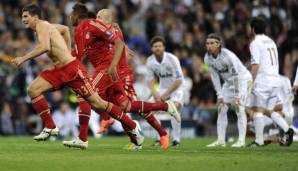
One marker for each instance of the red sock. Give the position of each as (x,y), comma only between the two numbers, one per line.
(116,113)
(145,107)
(41,106)
(104,116)
(154,123)
(84,116)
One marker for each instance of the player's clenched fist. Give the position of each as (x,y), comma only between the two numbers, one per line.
(18,61)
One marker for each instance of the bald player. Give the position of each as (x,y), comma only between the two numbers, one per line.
(99,43)
(127,77)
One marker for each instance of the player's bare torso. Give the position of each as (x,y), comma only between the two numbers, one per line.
(58,52)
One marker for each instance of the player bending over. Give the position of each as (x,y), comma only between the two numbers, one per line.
(236,78)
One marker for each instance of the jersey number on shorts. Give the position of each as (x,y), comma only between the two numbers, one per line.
(82,91)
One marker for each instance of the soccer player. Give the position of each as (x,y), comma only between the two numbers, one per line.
(224,64)
(68,71)
(100,45)
(127,77)
(287,110)
(167,68)
(265,91)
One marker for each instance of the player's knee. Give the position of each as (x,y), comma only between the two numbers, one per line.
(33,90)
(277,108)
(98,104)
(223,109)
(124,106)
(267,112)
(241,111)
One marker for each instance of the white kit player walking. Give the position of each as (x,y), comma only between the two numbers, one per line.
(167,68)
(266,88)
(225,64)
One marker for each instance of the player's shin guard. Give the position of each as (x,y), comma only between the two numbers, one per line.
(144,107)
(84,116)
(222,123)
(242,123)
(41,106)
(154,123)
(280,121)
(176,129)
(259,127)
(117,114)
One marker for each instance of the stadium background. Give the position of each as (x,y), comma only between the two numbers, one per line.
(185,25)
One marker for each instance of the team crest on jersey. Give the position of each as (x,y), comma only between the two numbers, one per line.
(87,35)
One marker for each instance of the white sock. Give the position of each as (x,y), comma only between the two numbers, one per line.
(222,123)
(280,121)
(242,123)
(259,127)
(267,121)
(176,129)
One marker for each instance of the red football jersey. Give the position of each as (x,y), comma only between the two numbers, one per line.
(96,41)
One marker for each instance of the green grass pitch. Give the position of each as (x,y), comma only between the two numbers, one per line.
(106,154)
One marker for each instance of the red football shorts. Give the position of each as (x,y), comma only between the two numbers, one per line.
(73,75)
(108,89)
(128,79)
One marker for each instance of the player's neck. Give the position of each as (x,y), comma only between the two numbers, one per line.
(159,58)
(215,55)
(35,24)
(80,20)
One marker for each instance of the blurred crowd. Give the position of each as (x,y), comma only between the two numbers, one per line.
(184,24)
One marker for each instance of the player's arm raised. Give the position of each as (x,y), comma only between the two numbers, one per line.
(43,44)
(64,31)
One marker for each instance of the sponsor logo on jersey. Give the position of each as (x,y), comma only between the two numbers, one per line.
(165,75)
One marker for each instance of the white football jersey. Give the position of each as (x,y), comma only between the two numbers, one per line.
(167,71)
(264,52)
(227,66)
